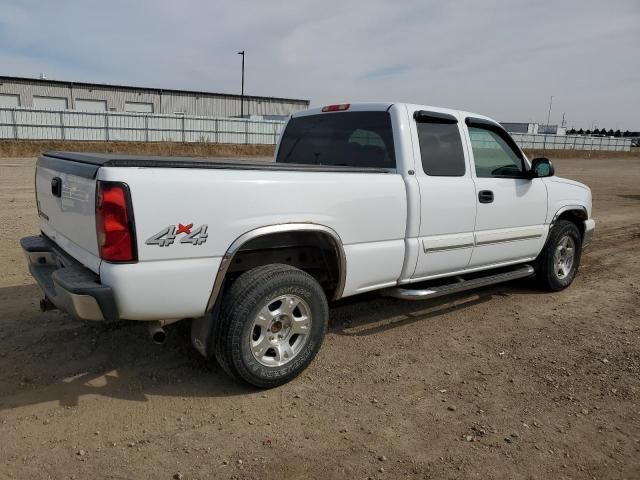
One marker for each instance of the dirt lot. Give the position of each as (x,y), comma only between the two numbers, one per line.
(506,383)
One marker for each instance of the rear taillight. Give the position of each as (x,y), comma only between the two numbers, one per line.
(114,222)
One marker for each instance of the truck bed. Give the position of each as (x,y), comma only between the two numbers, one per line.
(89,163)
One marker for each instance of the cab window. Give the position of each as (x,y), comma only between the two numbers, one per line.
(350,139)
(441,149)
(493,156)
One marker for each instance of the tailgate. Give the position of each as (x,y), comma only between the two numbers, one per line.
(66,195)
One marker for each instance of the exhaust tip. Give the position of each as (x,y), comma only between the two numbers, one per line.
(159,337)
(157,333)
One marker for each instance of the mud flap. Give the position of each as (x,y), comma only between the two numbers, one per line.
(202,331)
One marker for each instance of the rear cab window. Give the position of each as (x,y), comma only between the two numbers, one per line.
(349,139)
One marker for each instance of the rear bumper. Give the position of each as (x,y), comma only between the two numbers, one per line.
(69,286)
(589,228)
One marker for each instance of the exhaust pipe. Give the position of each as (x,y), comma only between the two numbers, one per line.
(157,333)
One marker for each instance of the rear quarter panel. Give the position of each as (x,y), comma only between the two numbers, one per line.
(367,210)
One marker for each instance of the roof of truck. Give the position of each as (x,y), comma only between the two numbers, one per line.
(381,106)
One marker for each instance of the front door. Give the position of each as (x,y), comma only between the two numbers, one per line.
(447,195)
(511,208)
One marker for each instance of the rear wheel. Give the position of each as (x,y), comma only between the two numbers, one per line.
(557,265)
(272,322)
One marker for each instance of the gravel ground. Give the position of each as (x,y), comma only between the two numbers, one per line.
(508,382)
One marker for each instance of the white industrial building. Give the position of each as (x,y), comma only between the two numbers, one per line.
(533,128)
(45,94)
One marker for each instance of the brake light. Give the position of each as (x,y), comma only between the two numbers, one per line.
(336,108)
(114,223)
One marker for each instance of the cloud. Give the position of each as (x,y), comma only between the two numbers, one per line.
(500,58)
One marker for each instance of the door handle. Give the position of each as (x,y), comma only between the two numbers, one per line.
(485,196)
(56,186)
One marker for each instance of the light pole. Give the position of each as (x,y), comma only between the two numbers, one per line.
(242,91)
(544,143)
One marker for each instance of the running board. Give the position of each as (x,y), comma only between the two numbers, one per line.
(459,286)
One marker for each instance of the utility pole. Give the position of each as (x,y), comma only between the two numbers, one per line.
(242,91)
(544,143)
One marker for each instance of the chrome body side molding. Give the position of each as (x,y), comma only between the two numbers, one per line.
(566,208)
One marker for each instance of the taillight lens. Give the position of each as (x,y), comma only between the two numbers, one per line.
(114,221)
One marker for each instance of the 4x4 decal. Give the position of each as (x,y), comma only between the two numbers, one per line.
(167,236)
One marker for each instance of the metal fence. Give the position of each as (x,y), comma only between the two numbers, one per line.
(571,142)
(34,124)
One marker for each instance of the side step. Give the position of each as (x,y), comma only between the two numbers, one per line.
(459,286)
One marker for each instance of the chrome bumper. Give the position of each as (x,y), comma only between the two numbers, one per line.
(589,228)
(68,285)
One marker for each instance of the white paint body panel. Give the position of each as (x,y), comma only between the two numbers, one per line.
(447,210)
(395,228)
(163,290)
(367,210)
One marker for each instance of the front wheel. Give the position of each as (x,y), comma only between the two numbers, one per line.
(558,263)
(272,323)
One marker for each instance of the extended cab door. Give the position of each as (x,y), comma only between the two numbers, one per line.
(511,208)
(447,194)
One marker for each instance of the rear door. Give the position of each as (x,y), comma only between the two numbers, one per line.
(65,193)
(447,194)
(511,208)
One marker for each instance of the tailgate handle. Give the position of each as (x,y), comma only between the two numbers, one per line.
(56,186)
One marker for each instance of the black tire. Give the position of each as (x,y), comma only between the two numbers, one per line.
(242,303)
(547,274)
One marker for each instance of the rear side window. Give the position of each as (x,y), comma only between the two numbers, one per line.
(350,139)
(441,149)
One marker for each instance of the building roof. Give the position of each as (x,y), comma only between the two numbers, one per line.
(65,83)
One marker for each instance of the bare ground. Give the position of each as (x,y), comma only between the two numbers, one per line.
(509,382)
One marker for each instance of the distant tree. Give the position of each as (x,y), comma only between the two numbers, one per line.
(588,132)
(617,133)
(627,133)
(581,132)
(572,131)
(610,132)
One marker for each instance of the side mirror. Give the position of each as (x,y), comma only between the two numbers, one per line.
(541,167)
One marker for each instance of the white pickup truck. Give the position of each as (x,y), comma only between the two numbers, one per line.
(411,200)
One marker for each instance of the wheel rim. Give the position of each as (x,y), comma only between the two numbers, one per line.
(280,330)
(564,257)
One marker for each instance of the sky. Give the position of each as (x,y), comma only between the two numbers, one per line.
(501,58)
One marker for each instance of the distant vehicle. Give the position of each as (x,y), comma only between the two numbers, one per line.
(413,201)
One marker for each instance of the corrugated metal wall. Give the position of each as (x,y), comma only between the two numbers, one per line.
(188,103)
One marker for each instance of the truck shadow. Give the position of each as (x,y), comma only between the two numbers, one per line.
(370,314)
(51,358)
